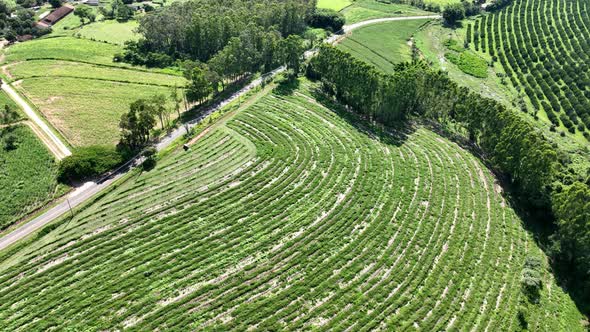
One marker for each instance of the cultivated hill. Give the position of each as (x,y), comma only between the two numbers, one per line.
(285,215)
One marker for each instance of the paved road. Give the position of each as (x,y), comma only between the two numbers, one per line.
(85,192)
(55,145)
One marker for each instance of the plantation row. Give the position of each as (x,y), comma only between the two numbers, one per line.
(286,218)
(543,48)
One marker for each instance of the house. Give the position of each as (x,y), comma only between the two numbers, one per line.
(135,6)
(55,16)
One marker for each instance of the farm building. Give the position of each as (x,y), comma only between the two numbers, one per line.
(55,16)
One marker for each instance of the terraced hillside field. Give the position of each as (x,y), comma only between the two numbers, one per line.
(288,217)
(79,89)
(544,49)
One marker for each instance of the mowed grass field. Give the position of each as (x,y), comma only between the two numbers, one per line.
(334,4)
(383,44)
(110,31)
(288,217)
(27,175)
(63,48)
(362,10)
(79,89)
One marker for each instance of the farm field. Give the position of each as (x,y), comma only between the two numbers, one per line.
(553,77)
(384,44)
(86,111)
(27,174)
(110,31)
(334,4)
(63,48)
(88,92)
(288,217)
(362,10)
(5,100)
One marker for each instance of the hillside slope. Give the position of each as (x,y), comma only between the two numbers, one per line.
(288,217)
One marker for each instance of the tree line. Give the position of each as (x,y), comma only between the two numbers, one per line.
(541,178)
(198,30)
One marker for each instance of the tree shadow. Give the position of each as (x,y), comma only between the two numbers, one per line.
(286,86)
(391,135)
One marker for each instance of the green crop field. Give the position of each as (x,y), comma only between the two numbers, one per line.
(288,217)
(334,4)
(362,10)
(87,92)
(384,44)
(110,31)
(542,48)
(5,100)
(27,175)
(466,60)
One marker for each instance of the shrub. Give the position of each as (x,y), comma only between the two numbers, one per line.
(453,13)
(326,19)
(150,158)
(88,162)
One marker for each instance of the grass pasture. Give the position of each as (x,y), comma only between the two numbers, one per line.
(27,175)
(362,10)
(86,111)
(77,87)
(287,217)
(334,4)
(110,31)
(63,48)
(383,44)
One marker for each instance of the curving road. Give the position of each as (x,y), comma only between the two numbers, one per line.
(89,189)
(348,28)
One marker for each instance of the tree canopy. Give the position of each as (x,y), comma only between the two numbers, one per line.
(199,29)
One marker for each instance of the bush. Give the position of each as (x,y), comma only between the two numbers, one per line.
(88,162)
(327,19)
(150,158)
(453,13)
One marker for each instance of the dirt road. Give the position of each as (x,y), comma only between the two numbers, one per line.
(53,143)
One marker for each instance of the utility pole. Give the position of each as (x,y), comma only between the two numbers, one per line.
(71,212)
